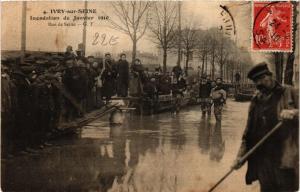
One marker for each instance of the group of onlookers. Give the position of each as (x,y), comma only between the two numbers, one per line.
(43,93)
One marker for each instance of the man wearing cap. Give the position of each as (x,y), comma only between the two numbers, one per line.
(275,163)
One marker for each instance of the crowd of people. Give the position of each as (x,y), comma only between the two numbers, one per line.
(43,92)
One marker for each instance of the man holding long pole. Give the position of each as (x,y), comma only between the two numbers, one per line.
(274,163)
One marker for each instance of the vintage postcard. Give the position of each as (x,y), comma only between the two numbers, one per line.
(150,96)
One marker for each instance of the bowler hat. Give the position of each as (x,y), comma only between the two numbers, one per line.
(259,70)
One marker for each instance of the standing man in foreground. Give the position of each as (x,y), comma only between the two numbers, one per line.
(275,164)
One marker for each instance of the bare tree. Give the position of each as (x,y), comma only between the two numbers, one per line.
(163,23)
(203,49)
(133,17)
(189,37)
(213,44)
(224,50)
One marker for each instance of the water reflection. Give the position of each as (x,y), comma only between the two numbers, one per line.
(217,148)
(178,134)
(204,135)
(163,152)
(210,139)
(113,168)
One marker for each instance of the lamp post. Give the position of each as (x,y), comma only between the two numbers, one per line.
(23,31)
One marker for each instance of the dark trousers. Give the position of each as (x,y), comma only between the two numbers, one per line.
(205,106)
(70,111)
(218,112)
(7,134)
(44,125)
(24,129)
(283,180)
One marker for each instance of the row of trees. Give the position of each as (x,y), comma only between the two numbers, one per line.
(159,21)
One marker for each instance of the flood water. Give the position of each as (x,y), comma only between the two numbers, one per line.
(159,153)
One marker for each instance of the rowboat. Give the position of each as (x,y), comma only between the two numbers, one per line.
(245,95)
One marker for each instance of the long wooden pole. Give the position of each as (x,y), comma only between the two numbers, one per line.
(245,157)
(84,28)
(23,31)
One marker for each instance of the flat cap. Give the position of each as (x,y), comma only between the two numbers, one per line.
(258,70)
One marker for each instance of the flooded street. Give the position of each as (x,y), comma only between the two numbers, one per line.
(163,152)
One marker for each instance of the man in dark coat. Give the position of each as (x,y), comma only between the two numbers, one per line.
(91,74)
(275,163)
(108,78)
(95,72)
(44,109)
(69,80)
(23,114)
(177,71)
(123,76)
(237,77)
(204,95)
(82,82)
(137,78)
(8,108)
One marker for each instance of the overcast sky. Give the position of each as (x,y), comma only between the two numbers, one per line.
(42,37)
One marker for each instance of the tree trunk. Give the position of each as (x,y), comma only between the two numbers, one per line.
(134,42)
(289,68)
(179,34)
(213,64)
(206,64)
(202,67)
(278,66)
(187,63)
(164,60)
(221,69)
(227,72)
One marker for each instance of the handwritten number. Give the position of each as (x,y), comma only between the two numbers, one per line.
(113,40)
(103,36)
(104,39)
(95,42)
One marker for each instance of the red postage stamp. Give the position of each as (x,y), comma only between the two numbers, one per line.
(272,26)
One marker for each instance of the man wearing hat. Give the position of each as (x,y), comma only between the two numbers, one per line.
(275,163)
(69,52)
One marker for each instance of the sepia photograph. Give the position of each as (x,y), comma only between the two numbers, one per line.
(150,96)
